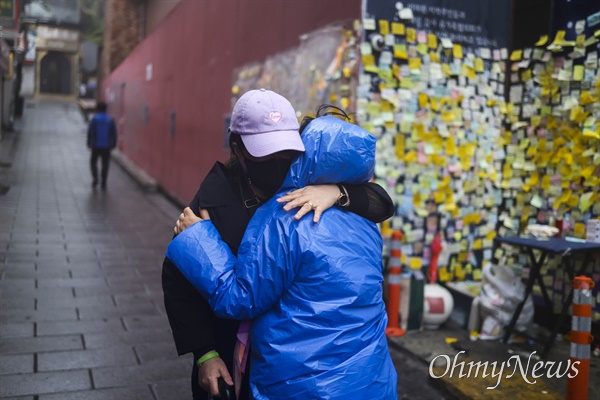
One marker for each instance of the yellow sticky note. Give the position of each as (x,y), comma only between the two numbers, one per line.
(490,235)
(398,28)
(566,195)
(368,59)
(443,274)
(410,157)
(414,263)
(406,83)
(477,244)
(448,116)
(559,38)
(399,145)
(411,35)
(345,102)
(542,41)
(516,55)
(384,26)
(451,146)
(414,63)
(422,100)
(400,51)
(459,273)
(579,230)
(546,182)
(588,171)
(479,67)
(439,197)
(591,133)
(432,41)
(477,274)
(457,51)
(586,200)
(578,71)
(586,98)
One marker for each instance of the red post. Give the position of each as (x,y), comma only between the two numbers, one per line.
(581,338)
(394,271)
(436,249)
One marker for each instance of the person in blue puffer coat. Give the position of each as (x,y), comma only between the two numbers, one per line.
(313,291)
(101,140)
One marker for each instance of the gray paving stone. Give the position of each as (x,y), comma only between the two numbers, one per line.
(51,314)
(79,327)
(95,291)
(38,344)
(19,302)
(173,390)
(15,330)
(88,301)
(79,359)
(156,351)
(135,298)
(140,392)
(145,322)
(147,373)
(102,340)
(47,295)
(43,382)
(114,311)
(71,283)
(11,286)
(39,274)
(16,364)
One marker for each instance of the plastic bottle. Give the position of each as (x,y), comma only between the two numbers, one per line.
(566,225)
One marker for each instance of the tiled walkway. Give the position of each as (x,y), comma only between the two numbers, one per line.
(81,309)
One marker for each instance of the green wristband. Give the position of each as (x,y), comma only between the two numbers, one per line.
(206,357)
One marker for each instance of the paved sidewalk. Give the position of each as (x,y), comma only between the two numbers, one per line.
(81,309)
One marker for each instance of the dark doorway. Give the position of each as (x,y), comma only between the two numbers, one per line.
(55,73)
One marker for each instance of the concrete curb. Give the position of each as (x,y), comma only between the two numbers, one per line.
(145,181)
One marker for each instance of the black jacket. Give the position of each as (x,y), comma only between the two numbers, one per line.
(230,205)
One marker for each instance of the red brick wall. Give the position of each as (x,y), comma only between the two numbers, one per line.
(193,54)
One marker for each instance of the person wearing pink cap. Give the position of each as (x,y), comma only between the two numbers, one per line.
(264,140)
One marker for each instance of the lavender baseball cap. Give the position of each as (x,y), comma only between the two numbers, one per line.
(266,122)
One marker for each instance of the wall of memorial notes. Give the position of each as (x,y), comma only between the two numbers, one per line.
(436,108)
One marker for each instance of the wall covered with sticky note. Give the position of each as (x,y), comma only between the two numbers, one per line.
(435,106)
(552,141)
(474,141)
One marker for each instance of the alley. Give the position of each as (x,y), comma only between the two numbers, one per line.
(81,307)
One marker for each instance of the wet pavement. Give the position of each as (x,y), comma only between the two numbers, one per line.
(81,307)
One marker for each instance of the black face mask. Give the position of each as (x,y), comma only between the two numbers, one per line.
(268,175)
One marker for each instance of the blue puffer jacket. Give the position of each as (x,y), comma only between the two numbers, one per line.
(312,290)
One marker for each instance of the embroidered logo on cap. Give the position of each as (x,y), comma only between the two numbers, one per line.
(275,116)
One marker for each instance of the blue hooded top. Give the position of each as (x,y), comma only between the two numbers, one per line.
(314,291)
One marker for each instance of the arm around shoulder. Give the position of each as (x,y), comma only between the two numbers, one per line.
(371,201)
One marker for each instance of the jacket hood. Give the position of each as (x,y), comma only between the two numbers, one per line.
(335,151)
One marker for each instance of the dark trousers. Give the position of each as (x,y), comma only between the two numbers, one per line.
(104,155)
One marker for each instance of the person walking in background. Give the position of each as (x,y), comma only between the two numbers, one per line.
(101,139)
(265,134)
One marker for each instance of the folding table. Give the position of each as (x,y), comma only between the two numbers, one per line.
(555,246)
